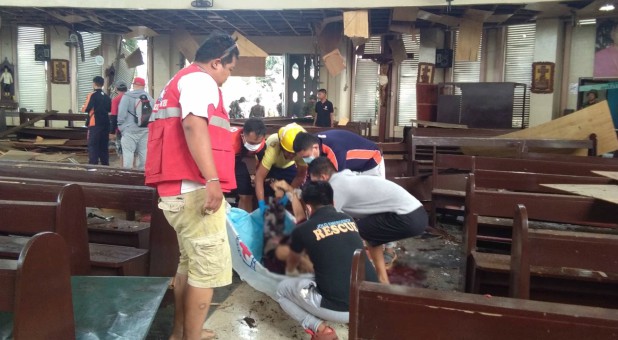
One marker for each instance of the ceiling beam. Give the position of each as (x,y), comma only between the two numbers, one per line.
(246,5)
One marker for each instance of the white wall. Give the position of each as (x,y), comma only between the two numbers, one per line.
(547,46)
(582,58)
(60,93)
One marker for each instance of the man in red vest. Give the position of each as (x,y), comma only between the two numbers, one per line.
(191,163)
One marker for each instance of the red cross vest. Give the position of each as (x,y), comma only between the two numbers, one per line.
(168,159)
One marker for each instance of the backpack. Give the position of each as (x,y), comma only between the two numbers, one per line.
(143,110)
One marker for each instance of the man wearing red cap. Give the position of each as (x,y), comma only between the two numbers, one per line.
(134,138)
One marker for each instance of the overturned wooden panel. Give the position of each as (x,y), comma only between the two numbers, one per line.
(356,24)
(470,31)
(404,27)
(578,125)
(250,67)
(248,48)
(605,192)
(187,45)
(134,59)
(140,31)
(398,50)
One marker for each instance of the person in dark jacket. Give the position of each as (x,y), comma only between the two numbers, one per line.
(98,105)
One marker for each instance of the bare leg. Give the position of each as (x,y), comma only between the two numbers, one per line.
(377,255)
(180,283)
(196,305)
(245,202)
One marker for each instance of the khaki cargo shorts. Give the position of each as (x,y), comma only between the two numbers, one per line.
(202,239)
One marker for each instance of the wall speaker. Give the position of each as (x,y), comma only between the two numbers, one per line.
(42,52)
(444,58)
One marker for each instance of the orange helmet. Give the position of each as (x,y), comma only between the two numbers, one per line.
(287,134)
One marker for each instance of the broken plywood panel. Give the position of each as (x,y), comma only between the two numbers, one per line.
(334,62)
(605,192)
(578,125)
(250,67)
(470,31)
(248,48)
(185,43)
(608,174)
(356,24)
(405,14)
(18,155)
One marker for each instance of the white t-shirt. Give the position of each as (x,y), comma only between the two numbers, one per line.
(198,90)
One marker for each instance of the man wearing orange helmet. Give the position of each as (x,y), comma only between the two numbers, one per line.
(280,162)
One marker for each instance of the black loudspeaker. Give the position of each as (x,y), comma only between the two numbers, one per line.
(444,58)
(42,52)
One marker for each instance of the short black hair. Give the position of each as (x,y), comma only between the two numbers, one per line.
(321,166)
(98,80)
(317,194)
(218,45)
(304,141)
(255,125)
(322,90)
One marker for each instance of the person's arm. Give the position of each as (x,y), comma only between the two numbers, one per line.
(88,105)
(315,118)
(332,115)
(198,141)
(301,176)
(297,206)
(123,108)
(260,177)
(291,264)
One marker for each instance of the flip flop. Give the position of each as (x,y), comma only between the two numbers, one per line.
(389,258)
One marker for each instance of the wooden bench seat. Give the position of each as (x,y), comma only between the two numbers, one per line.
(40,300)
(67,217)
(380,311)
(489,273)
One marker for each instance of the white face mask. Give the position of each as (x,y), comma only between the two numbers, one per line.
(252,147)
(308,159)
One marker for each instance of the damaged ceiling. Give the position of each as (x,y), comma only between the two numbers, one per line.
(275,23)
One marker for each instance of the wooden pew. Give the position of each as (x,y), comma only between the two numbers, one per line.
(50,130)
(40,300)
(563,261)
(396,312)
(488,272)
(163,245)
(66,216)
(518,146)
(115,232)
(449,176)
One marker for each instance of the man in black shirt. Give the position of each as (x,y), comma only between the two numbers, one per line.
(98,106)
(324,110)
(330,239)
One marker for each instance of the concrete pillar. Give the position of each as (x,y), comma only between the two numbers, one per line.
(548,47)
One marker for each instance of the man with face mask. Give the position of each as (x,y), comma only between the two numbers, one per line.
(247,141)
(345,149)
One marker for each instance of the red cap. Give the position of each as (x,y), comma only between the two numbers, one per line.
(139,81)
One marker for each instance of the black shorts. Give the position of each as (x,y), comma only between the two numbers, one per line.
(243,179)
(388,227)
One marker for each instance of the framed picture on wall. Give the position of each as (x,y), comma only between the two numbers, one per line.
(425,73)
(59,71)
(542,77)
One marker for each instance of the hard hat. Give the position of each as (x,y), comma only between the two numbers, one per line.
(287,134)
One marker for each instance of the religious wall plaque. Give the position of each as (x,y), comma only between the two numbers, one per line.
(425,73)
(542,77)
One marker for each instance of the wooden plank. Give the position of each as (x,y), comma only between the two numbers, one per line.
(578,125)
(248,48)
(605,192)
(356,24)
(610,174)
(437,124)
(470,31)
(28,123)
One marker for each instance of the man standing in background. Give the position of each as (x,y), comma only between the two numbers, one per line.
(114,133)
(134,136)
(324,110)
(98,105)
